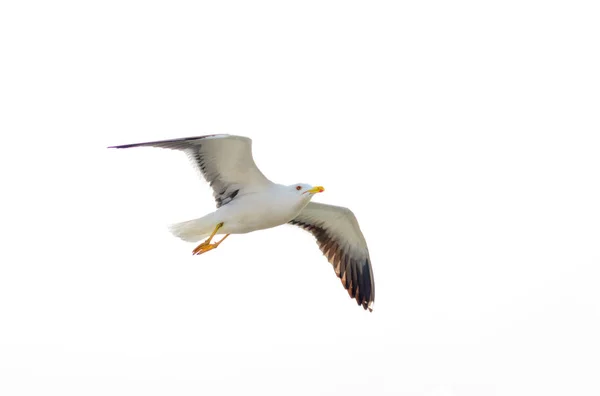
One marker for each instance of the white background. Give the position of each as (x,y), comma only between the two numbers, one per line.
(464,136)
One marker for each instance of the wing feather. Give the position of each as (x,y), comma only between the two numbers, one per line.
(340,239)
(224,161)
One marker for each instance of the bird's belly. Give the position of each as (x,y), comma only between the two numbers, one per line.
(244,219)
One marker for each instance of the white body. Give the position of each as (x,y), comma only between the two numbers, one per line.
(252,212)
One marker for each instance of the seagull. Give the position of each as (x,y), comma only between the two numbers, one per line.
(247,201)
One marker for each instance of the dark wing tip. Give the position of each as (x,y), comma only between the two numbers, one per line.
(125,146)
(166,143)
(363,291)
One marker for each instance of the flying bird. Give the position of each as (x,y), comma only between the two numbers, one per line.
(247,201)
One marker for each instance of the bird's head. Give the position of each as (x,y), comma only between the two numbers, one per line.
(306,191)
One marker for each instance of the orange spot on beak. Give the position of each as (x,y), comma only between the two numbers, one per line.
(316,190)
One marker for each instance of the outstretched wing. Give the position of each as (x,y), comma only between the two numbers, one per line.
(225,162)
(340,239)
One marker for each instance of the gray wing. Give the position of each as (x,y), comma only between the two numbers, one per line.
(225,162)
(340,239)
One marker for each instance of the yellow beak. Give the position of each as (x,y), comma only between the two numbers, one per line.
(315,190)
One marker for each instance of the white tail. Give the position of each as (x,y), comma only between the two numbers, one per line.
(193,230)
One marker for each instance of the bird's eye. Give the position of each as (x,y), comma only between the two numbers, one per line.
(298,188)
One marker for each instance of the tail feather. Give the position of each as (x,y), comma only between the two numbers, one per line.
(192,230)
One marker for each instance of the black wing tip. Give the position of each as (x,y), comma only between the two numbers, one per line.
(123,146)
(367,304)
(364,290)
(159,142)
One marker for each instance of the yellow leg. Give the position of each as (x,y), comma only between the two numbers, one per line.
(206,245)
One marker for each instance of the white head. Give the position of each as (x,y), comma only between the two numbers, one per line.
(305,191)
